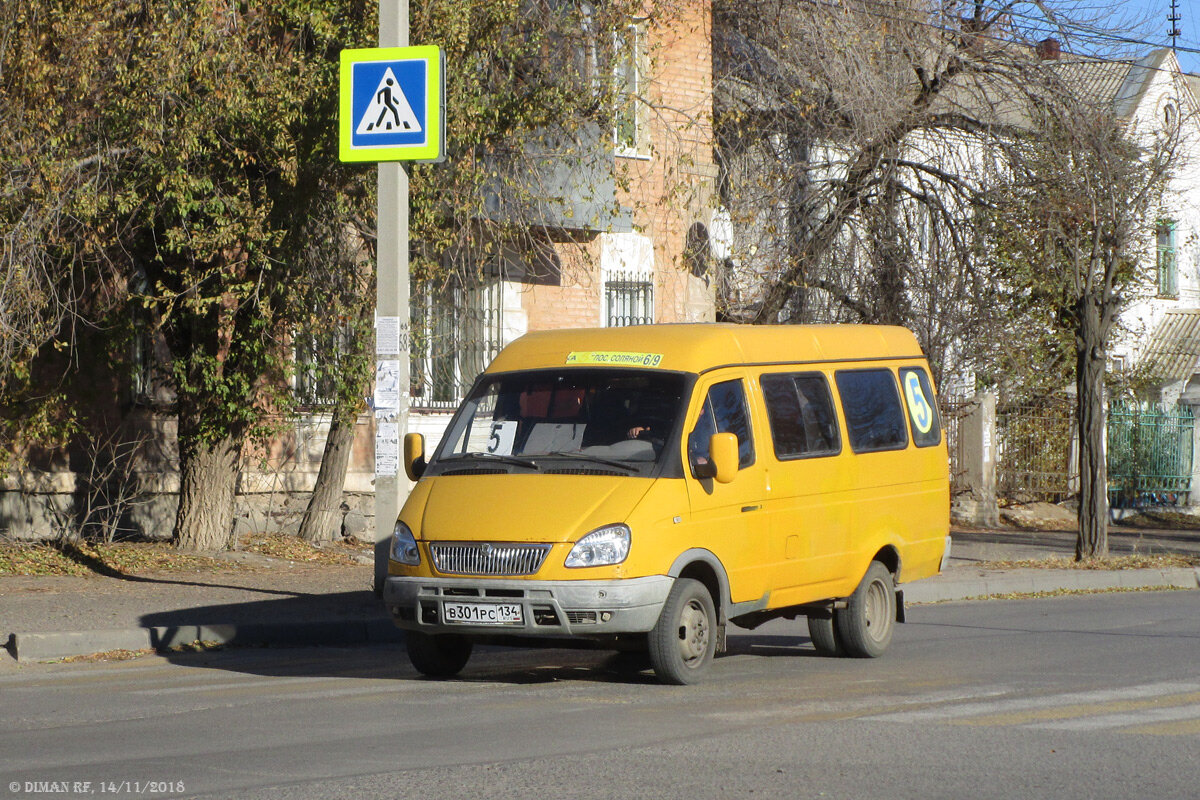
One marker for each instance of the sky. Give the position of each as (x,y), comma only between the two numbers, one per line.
(1143,23)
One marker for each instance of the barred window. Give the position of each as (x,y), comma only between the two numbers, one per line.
(628,299)
(143,363)
(456,332)
(318,358)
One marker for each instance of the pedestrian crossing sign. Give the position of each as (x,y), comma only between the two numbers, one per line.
(392,104)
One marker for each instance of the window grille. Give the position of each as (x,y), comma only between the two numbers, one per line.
(456,332)
(629,299)
(318,359)
(143,364)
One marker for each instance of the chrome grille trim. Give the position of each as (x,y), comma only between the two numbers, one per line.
(487,558)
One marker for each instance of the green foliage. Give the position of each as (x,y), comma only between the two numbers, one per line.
(225,118)
(532,88)
(1066,231)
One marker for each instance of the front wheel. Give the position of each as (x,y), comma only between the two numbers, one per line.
(684,639)
(866,624)
(440,656)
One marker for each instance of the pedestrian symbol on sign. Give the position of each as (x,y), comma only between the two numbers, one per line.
(392,104)
(389,110)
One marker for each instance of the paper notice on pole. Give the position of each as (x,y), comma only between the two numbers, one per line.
(387,335)
(387,449)
(387,387)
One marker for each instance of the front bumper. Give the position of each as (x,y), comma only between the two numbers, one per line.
(549,608)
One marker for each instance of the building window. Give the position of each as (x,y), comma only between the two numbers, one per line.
(144,364)
(456,332)
(628,299)
(629,73)
(319,356)
(1170,114)
(1168,285)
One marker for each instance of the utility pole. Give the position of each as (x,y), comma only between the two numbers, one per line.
(1174,18)
(391,311)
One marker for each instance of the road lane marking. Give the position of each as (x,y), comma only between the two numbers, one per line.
(1078,710)
(1123,720)
(1184,727)
(1017,704)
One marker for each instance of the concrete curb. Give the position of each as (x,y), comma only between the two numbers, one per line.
(49,646)
(948,587)
(333,632)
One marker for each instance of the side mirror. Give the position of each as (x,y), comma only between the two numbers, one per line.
(723,451)
(721,464)
(414,455)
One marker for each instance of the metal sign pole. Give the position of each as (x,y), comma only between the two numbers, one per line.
(391,312)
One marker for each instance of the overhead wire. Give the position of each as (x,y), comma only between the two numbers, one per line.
(1080,31)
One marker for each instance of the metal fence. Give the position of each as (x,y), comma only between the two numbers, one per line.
(1034,450)
(1149,450)
(953,409)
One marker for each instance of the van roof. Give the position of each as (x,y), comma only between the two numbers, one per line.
(703,346)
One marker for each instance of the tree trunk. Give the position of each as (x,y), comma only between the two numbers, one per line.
(207,479)
(322,518)
(1093,469)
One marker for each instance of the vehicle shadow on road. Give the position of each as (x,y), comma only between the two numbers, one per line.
(349,635)
(771,646)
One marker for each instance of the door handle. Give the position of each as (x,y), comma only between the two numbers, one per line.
(750,508)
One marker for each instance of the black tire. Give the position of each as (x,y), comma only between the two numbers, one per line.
(823,633)
(438,656)
(866,624)
(684,639)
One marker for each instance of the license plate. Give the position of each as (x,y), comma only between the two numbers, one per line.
(483,613)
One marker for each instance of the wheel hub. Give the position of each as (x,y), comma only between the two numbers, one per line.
(694,632)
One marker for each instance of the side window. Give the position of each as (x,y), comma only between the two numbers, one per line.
(874,419)
(724,411)
(922,410)
(800,410)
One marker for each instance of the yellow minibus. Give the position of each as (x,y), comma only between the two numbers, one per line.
(642,488)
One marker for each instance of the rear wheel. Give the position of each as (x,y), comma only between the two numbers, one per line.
(866,624)
(823,632)
(684,639)
(438,656)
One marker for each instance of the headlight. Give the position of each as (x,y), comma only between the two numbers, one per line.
(404,545)
(601,547)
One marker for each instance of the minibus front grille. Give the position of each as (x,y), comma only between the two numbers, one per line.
(485,558)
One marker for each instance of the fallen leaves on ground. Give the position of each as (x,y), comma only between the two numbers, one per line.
(1111,562)
(85,558)
(293,548)
(40,559)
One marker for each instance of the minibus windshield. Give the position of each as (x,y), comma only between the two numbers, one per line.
(609,416)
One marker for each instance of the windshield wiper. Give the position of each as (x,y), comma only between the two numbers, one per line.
(520,462)
(598,460)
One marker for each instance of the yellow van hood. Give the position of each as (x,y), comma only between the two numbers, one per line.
(526,508)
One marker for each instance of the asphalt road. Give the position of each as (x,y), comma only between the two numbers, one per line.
(1073,697)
